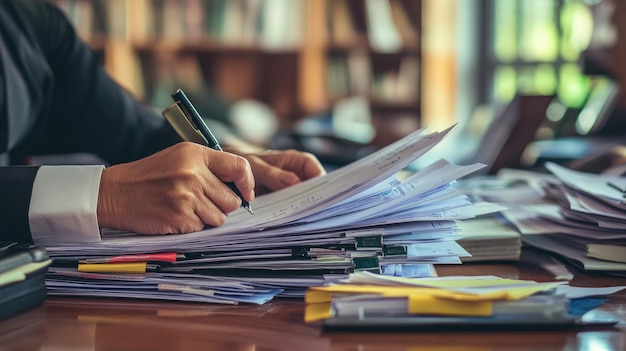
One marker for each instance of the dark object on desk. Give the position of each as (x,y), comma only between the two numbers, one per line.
(318,136)
(498,143)
(22,271)
(609,160)
(444,324)
(504,139)
(332,150)
(591,154)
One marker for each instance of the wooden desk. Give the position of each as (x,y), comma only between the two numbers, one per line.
(108,324)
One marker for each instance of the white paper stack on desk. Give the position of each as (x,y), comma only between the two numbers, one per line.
(490,238)
(582,217)
(359,217)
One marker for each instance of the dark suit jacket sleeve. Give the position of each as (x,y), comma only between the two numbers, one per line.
(16,185)
(67,103)
(87,111)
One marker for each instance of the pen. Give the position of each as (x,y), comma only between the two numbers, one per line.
(196,120)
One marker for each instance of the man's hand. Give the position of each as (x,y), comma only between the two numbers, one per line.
(178,190)
(275,170)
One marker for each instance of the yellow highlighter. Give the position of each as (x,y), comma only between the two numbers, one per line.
(131,267)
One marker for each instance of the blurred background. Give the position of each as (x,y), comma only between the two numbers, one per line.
(526,80)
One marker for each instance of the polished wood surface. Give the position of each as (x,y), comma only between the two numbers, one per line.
(110,324)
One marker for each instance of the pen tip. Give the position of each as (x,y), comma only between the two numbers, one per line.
(249,210)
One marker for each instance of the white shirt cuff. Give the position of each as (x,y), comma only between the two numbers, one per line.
(63,204)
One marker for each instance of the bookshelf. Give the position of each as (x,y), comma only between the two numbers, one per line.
(298,56)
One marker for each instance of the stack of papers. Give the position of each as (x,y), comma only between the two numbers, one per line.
(361,217)
(370,300)
(490,238)
(578,216)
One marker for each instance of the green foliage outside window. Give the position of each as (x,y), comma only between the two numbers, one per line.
(537,45)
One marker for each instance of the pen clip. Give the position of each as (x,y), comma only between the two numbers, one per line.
(196,120)
(178,119)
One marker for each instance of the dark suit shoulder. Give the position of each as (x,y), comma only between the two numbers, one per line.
(40,22)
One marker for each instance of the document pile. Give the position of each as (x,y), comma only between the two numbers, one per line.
(490,238)
(366,300)
(360,217)
(578,216)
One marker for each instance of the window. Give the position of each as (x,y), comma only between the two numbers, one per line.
(534,47)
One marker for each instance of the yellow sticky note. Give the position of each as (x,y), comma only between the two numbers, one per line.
(389,291)
(516,293)
(317,311)
(133,267)
(425,304)
(317,296)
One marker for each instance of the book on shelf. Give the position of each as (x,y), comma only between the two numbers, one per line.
(382,31)
(360,72)
(389,25)
(89,18)
(338,77)
(398,84)
(273,24)
(174,18)
(406,28)
(408,84)
(194,19)
(81,14)
(145,20)
(354,74)
(115,17)
(341,24)
(281,24)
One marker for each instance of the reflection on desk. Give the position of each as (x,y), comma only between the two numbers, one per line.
(91,324)
(121,324)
